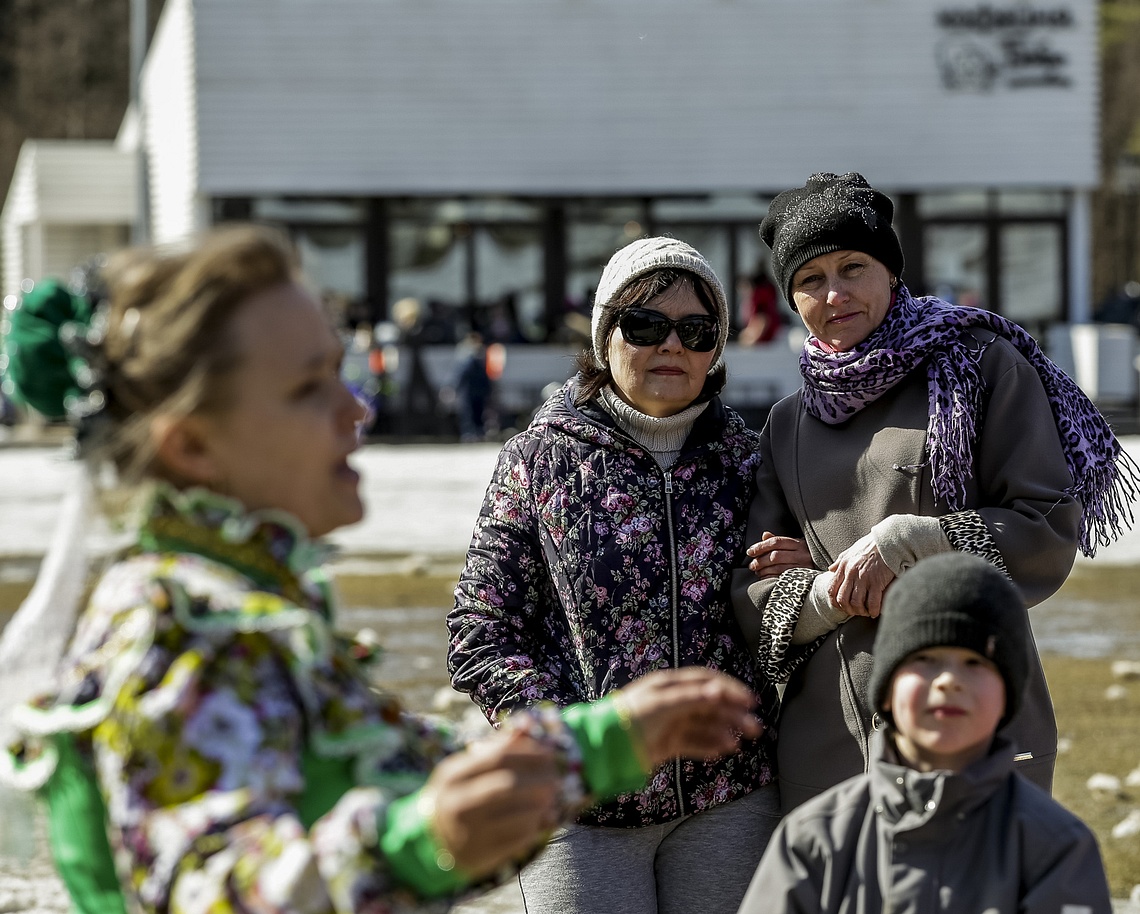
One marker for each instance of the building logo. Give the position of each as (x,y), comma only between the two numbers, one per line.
(986,48)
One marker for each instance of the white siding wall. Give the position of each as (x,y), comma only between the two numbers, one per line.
(32,250)
(68,201)
(19,209)
(171,125)
(577,96)
(89,182)
(12,264)
(65,247)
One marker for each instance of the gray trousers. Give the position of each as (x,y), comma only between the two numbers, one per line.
(699,864)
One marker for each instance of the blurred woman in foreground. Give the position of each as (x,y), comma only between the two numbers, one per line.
(211,744)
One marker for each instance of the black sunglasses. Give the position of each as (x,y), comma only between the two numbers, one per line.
(643,327)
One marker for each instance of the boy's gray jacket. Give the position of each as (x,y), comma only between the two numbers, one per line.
(909,842)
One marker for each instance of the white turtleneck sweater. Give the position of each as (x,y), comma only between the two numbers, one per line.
(663,438)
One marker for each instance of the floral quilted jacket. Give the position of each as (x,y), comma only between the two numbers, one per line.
(205,685)
(590,566)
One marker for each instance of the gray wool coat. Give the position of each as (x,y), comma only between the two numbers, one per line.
(831,483)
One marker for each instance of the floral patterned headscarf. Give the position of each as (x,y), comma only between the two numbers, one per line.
(928,330)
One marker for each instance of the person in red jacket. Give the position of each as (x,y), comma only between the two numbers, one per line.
(761,316)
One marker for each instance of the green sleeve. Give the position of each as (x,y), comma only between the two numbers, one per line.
(415,857)
(78,833)
(611,758)
(611,764)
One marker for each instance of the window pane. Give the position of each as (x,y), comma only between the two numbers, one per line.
(1031,202)
(956,263)
(710,240)
(333,260)
(488,209)
(719,207)
(278,209)
(1031,273)
(953,203)
(594,231)
(509,278)
(427,262)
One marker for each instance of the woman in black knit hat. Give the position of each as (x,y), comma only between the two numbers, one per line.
(921,427)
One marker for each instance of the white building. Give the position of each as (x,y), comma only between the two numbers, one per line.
(494,153)
(67,201)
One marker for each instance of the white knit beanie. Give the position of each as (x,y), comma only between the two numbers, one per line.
(644,256)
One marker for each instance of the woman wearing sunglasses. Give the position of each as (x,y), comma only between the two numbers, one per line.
(603,551)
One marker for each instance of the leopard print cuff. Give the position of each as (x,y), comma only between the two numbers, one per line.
(777,658)
(967,532)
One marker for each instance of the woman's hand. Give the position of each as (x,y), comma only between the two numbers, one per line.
(774,555)
(693,712)
(493,802)
(861,579)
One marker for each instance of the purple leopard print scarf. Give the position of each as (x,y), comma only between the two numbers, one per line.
(839,384)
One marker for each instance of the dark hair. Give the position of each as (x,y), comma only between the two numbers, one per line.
(592,377)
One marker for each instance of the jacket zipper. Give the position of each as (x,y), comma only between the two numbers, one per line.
(674,598)
(675,605)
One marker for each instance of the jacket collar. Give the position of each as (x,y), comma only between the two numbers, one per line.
(591,422)
(271,548)
(907,799)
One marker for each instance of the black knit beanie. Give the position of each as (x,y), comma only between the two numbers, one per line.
(829,213)
(954,600)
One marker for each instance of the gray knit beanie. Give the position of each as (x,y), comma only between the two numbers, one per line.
(954,600)
(829,213)
(634,261)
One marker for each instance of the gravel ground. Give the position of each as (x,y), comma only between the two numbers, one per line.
(29,885)
(27,880)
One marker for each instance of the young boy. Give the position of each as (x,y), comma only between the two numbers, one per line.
(940,822)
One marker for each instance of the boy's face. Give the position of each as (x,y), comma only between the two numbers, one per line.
(946,703)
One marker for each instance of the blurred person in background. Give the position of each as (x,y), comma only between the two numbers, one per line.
(1122,306)
(210,743)
(472,387)
(761,317)
(417,399)
(603,552)
(921,427)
